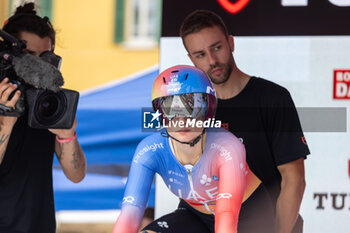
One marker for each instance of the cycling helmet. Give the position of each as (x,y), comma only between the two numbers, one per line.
(185,91)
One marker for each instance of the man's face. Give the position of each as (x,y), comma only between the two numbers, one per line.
(35,44)
(211,51)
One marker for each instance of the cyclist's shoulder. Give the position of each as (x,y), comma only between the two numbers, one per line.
(224,141)
(219,134)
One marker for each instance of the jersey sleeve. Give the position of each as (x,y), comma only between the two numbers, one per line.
(136,193)
(284,130)
(232,183)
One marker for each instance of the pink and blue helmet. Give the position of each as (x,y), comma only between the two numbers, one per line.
(184,91)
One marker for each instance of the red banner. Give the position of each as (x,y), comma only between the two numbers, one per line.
(341,87)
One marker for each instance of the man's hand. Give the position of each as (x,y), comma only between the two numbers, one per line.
(65,133)
(6,88)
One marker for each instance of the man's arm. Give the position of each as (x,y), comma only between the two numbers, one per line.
(291,195)
(70,155)
(5,132)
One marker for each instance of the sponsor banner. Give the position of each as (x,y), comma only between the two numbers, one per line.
(332,200)
(341,87)
(266,18)
(326,202)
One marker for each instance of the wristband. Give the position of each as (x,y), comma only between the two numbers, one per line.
(63,140)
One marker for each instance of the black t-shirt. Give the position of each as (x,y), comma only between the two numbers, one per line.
(26,193)
(264,116)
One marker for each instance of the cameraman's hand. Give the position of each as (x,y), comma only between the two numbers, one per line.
(6,88)
(65,133)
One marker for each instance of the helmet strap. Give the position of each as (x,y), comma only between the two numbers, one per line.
(192,144)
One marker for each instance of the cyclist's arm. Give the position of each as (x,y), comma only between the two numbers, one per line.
(232,184)
(135,199)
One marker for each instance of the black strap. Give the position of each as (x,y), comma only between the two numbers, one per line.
(8,111)
(192,144)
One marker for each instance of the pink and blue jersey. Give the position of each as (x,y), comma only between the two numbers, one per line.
(218,177)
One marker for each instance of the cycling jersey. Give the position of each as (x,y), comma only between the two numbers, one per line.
(219,176)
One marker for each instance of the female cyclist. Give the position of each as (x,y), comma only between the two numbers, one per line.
(205,167)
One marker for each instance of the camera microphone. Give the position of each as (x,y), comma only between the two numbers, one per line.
(37,72)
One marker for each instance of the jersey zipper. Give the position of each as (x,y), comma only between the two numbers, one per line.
(189,176)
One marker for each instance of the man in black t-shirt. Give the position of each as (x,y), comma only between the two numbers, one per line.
(26,154)
(260,112)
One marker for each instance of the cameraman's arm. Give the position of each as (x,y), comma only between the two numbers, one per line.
(5,132)
(7,122)
(69,154)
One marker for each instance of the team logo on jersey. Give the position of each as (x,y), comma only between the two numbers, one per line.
(224,195)
(153,147)
(128,199)
(175,181)
(223,151)
(163,224)
(205,180)
(171,172)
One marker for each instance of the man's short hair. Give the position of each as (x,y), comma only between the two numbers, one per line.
(200,19)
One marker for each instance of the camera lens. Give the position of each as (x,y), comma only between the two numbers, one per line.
(50,107)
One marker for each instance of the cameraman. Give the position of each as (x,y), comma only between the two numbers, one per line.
(26,154)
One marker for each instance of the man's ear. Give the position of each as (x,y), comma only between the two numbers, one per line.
(231,43)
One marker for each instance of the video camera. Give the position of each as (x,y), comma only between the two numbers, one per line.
(39,80)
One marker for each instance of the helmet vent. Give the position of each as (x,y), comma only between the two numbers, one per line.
(174,71)
(164,80)
(186,76)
